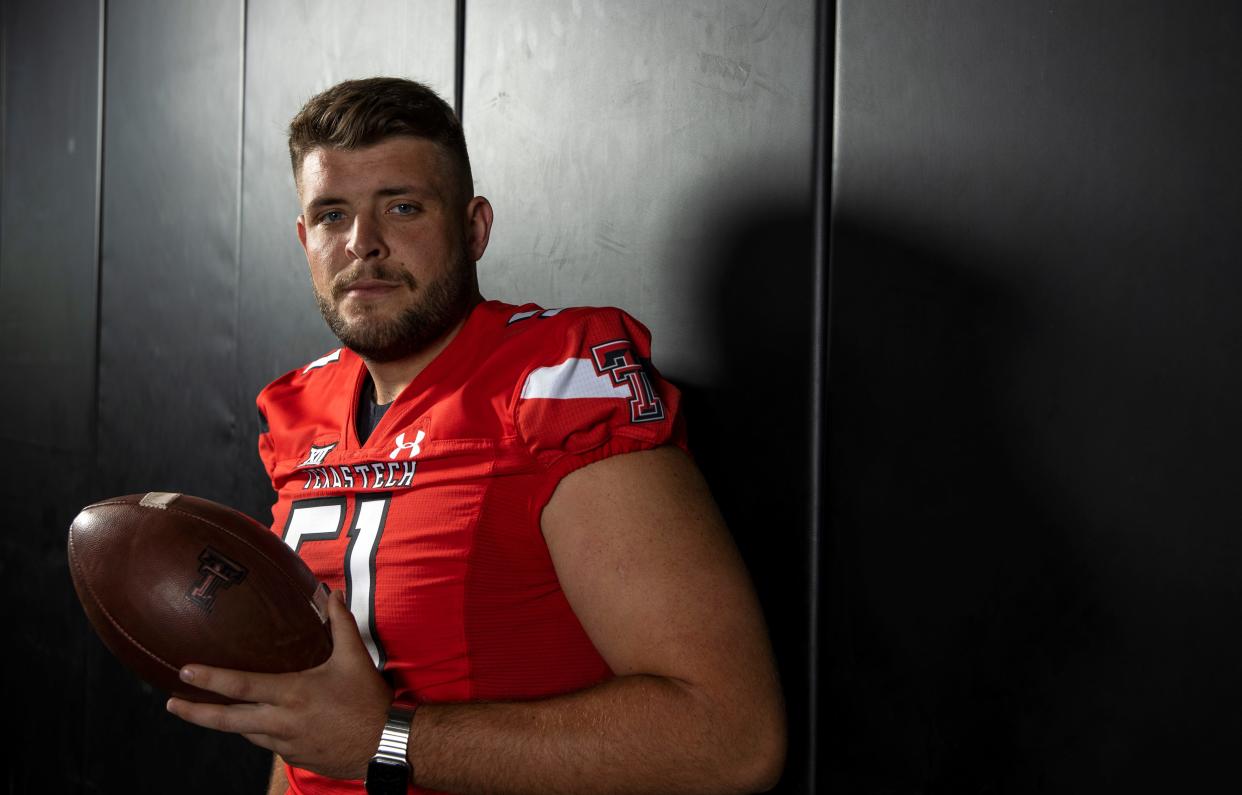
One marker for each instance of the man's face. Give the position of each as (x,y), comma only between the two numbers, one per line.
(389,243)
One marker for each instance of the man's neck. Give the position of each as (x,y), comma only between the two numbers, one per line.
(392,377)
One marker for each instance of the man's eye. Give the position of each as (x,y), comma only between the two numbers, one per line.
(331,216)
(404,208)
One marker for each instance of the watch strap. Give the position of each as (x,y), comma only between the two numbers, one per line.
(389,770)
(395,738)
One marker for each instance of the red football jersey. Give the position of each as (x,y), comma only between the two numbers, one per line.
(432,527)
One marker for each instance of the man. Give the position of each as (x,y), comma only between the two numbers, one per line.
(534,591)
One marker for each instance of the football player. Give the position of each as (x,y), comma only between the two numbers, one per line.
(533,588)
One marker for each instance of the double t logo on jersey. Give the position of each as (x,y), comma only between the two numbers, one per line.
(617,360)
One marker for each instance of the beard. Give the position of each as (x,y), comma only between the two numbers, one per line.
(444,302)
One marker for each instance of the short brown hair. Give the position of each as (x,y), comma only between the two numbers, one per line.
(358,113)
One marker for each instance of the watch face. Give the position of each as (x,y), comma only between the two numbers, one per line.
(387,778)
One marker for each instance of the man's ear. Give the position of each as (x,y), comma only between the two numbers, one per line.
(302,232)
(478,227)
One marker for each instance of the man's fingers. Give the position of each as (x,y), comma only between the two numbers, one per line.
(237,685)
(236,718)
(263,741)
(345,634)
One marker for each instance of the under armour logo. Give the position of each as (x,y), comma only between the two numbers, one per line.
(317,455)
(218,572)
(617,359)
(413,446)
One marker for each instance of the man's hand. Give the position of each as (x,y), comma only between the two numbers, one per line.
(327,719)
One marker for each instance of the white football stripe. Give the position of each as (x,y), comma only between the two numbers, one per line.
(572,378)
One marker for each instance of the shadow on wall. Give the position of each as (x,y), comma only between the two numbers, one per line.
(749,431)
(955,595)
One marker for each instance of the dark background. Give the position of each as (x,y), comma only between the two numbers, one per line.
(1018,571)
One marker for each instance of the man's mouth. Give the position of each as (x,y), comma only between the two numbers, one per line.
(368,288)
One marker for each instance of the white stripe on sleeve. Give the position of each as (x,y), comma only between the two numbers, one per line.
(572,378)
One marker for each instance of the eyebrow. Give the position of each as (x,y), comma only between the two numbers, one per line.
(401,190)
(392,190)
(324,202)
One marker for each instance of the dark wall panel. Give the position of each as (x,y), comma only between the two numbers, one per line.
(293,50)
(172,179)
(1033,389)
(169,269)
(48,213)
(49,65)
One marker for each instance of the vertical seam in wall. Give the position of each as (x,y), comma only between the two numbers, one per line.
(459,62)
(822,322)
(100,117)
(4,120)
(94,472)
(238,380)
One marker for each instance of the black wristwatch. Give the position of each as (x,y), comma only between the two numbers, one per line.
(389,772)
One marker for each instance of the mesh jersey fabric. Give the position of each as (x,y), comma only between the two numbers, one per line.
(432,526)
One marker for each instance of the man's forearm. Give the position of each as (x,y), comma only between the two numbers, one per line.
(631,734)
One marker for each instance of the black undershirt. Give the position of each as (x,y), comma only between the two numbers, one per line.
(369,412)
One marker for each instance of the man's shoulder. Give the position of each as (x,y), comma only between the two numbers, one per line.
(534,330)
(565,352)
(521,336)
(312,380)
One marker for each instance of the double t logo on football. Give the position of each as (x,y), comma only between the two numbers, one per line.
(218,572)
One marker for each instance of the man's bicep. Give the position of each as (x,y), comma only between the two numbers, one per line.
(652,573)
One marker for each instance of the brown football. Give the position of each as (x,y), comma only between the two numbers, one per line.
(168,579)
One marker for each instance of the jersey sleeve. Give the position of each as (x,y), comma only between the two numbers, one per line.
(593,393)
(267,446)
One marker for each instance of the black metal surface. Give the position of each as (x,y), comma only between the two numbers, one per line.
(49,61)
(169,266)
(47,230)
(821,319)
(1033,398)
(168,339)
(459,58)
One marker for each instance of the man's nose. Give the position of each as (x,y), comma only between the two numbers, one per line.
(366,240)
